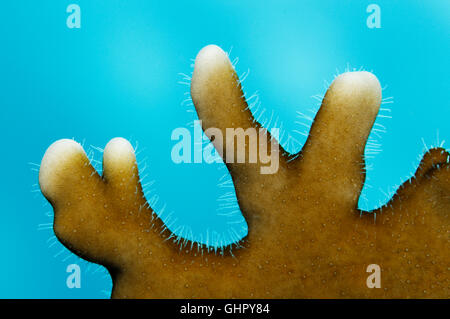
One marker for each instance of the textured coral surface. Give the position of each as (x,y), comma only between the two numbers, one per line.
(307,238)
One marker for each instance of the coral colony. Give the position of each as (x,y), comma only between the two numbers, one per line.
(307,238)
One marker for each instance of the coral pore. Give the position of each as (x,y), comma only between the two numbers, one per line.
(307,238)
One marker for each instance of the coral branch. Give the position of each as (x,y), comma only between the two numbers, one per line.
(307,239)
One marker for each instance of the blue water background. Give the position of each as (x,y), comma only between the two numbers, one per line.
(119,76)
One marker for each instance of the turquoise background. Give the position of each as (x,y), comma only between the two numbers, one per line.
(119,76)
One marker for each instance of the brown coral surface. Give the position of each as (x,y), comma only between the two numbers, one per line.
(307,238)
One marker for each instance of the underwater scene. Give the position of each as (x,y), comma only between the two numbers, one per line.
(225,149)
